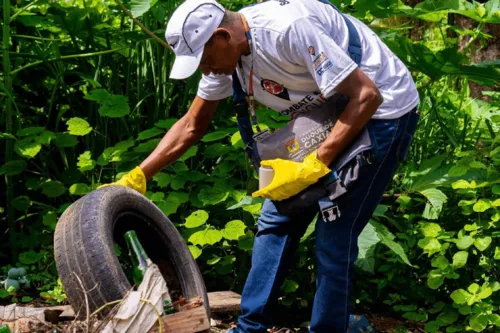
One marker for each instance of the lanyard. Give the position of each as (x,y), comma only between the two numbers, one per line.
(249,87)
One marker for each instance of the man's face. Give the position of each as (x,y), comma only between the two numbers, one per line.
(220,56)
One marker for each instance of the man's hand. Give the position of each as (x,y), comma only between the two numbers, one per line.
(291,177)
(135,180)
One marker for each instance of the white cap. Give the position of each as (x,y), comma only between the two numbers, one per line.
(188,30)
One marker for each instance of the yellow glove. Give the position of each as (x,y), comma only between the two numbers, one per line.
(292,177)
(135,179)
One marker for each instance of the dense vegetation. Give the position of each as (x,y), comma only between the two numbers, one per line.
(85,97)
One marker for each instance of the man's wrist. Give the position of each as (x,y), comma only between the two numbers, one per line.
(325,155)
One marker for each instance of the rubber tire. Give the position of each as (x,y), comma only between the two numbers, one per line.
(84,245)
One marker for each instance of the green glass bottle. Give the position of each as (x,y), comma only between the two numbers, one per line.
(4,329)
(140,260)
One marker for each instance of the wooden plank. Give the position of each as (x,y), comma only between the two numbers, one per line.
(189,321)
(224,301)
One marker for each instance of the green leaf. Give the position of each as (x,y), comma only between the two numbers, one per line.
(417,316)
(478,322)
(214,260)
(497,253)
(149,133)
(30,257)
(78,126)
(30,131)
(12,168)
(45,138)
(460,296)
(465,242)
(367,243)
(436,198)
(53,188)
(116,106)
(494,318)
(195,251)
(208,236)
(79,189)
(458,170)
(432,326)
(7,136)
(460,184)
(214,136)
(113,154)
(429,245)
(246,243)
(387,238)
(477,165)
(430,229)
(482,243)
(196,219)
(97,95)
(481,205)
(234,230)
(162,179)
(440,262)
(213,195)
(189,153)
(485,292)
(178,182)
(50,220)
(139,7)
(4,293)
(289,286)
(435,279)
(85,162)
(27,148)
(496,189)
(460,259)
(473,288)
(166,123)
(170,205)
(496,203)
(447,317)
(65,140)
(21,203)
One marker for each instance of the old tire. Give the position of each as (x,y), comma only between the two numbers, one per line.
(84,247)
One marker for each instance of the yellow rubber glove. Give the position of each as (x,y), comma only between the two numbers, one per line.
(135,179)
(291,177)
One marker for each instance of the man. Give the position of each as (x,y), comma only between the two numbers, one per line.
(296,53)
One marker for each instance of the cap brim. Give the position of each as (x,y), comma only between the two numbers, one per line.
(185,65)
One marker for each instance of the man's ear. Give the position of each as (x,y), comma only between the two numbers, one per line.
(222,33)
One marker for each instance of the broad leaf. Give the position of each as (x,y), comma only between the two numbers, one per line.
(482,243)
(460,259)
(27,148)
(53,188)
(289,286)
(436,200)
(234,230)
(195,251)
(65,140)
(149,133)
(367,242)
(85,162)
(464,242)
(196,219)
(435,279)
(13,167)
(139,7)
(208,236)
(214,136)
(78,126)
(387,238)
(478,322)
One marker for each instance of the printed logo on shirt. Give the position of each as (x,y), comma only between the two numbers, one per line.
(327,65)
(292,145)
(275,88)
(311,50)
(319,60)
(307,104)
(284,2)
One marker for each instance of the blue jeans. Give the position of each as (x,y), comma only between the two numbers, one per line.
(336,242)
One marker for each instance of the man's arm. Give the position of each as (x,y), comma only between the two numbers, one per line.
(364,99)
(185,133)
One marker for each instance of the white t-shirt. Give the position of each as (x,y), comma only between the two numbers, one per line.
(300,55)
